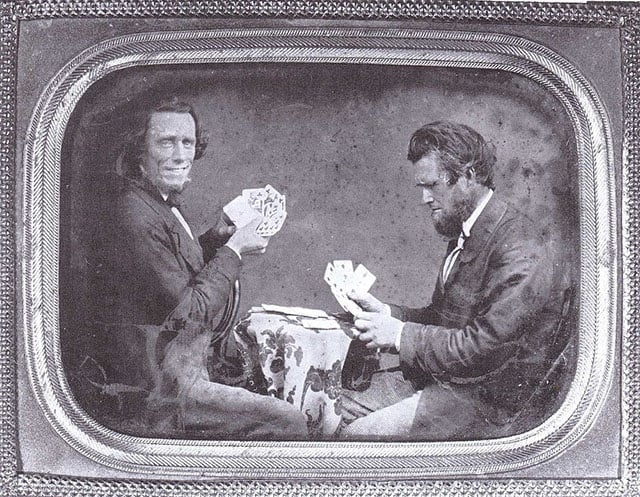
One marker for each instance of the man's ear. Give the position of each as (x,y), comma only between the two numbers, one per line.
(471,173)
(469,177)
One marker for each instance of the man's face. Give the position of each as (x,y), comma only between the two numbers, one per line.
(450,204)
(170,148)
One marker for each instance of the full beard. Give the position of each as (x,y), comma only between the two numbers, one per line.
(449,224)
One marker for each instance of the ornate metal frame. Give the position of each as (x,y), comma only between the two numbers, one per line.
(598,284)
(328,460)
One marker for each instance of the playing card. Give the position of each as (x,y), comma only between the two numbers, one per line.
(347,304)
(328,273)
(255,197)
(339,275)
(274,215)
(271,191)
(339,290)
(271,204)
(240,212)
(362,279)
(344,267)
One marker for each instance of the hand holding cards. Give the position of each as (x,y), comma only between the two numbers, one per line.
(266,203)
(342,278)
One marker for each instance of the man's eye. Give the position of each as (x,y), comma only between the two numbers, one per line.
(189,143)
(166,142)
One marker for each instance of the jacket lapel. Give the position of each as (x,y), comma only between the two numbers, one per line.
(441,283)
(483,229)
(481,233)
(187,247)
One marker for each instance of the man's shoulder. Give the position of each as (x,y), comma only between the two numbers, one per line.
(506,207)
(515,230)
(132,194)
(515,219)
(135,207)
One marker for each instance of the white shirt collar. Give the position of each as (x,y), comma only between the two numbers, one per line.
(179,216)
(471,220)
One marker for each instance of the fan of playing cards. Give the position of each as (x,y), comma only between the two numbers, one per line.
(342,278)
(266,202)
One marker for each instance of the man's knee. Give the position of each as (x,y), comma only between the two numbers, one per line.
(389,423)
(291,423)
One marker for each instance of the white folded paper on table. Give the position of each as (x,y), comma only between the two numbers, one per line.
(295,311)
(320,324)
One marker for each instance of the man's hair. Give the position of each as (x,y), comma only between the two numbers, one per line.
(459,147)
(135,147)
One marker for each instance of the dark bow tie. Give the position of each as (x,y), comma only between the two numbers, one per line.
(174,199)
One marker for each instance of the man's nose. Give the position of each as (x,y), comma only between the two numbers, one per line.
(179,152)
(427,197)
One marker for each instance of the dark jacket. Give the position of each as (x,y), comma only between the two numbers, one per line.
(494,326)
(152,277)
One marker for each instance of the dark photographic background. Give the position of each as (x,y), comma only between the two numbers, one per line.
(333,138)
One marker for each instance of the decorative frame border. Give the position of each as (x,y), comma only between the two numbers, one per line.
(43,157)
(624,16)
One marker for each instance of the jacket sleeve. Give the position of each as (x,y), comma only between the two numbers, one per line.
(211,242)
(154,256)
(517,289)
(424,315)
(208,291)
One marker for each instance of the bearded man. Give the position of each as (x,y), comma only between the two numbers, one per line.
(482,353)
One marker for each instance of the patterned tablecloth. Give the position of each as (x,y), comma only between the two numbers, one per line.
(300,365)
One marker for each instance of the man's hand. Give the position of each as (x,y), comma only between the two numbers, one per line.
(217,236)
(368,302)
(245,240)
(224,228)
(376,325)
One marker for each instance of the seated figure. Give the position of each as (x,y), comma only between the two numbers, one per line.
(494,342)
(159,292)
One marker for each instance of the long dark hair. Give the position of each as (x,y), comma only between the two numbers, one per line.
(133,149)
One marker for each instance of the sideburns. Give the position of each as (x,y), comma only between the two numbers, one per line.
(464,209)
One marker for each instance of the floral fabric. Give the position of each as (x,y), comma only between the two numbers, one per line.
(300,365)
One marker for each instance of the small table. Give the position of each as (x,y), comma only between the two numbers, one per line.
(300,365)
